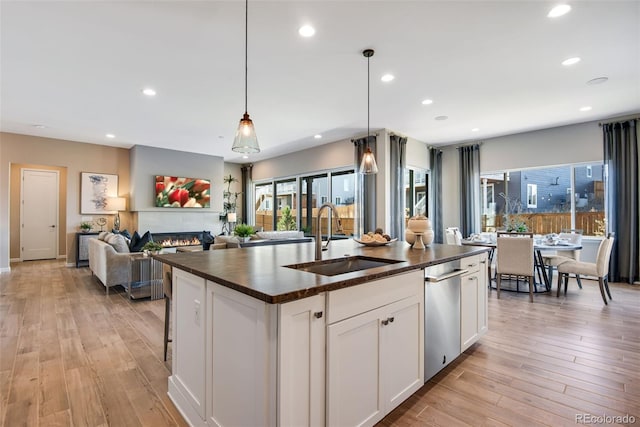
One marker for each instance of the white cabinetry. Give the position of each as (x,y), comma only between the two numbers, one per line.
(187,382)
(301,362)
(473,300)
(374,348)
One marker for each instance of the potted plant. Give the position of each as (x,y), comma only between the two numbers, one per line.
(85,227)
(243,231)
(151,248)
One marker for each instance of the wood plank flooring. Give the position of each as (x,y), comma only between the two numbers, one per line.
(72,356)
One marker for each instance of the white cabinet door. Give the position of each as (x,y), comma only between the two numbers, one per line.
(188,347)
(469,309)
(403,362)
(301,362)
(353,371)
(375,361)
(473,305)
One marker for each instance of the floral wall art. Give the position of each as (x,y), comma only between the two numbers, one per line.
(176,192)
(95,189)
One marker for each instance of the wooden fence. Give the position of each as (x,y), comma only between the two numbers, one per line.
(554,222)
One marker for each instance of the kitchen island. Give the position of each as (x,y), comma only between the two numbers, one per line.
(257,341)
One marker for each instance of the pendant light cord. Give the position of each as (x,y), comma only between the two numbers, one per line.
(368,89)
(246,49)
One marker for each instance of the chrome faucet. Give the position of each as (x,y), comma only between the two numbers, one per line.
(334,212)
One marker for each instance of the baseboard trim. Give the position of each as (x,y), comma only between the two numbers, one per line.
(69,264)
(5,270)
(15,260)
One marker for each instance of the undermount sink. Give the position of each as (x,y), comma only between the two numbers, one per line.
(333,267)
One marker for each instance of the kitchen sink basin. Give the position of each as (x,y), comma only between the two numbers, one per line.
(333,267)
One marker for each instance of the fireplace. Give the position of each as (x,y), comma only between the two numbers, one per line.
(179,238)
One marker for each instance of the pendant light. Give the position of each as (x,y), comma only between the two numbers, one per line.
(368,164)
(246,140)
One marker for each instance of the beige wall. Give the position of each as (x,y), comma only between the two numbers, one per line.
(14,208)
(75,157)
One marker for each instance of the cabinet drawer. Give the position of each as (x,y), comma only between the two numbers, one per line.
(348,302)
(471,263)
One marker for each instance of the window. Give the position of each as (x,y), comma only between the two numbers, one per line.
(532,195)
(302,196)
(416,194)
(547,200)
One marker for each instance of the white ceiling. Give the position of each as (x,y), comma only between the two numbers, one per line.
(77,67)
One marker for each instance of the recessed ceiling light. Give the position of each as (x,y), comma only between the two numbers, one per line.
(245,156)
(149,92)
(317,136)
(441,117)
(475,129)
(427,102)
(110,135)
(39,126)
(559,10)
(585,108)
(306,31)
(570,61)
(598,80)
(387,77)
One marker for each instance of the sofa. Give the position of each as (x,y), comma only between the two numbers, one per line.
(110,262)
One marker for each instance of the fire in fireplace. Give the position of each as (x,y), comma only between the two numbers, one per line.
(180,238)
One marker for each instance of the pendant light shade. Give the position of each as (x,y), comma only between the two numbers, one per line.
(246,140)
(368,164)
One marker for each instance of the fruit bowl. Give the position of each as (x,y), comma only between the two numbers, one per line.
(374,242)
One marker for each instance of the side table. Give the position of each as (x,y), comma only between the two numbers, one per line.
(145,277)
(82,248)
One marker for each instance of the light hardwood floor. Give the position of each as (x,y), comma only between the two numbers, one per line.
(70,355)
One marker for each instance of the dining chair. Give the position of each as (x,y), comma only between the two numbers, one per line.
(599,269)
(515,258)
(453,236)
(167,287)
(552,261)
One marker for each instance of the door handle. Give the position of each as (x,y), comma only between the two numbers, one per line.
(317,314)
(52,226)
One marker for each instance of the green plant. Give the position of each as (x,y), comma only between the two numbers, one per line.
(152,247)
(85,226)
(286,221)
(243,230)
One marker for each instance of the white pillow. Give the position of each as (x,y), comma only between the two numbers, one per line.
(118,242)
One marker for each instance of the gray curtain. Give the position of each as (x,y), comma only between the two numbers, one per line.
(365,189)
(435,157)
(398,160)
(246,182)
(469,189)
(621,158)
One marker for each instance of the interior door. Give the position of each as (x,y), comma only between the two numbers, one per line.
(39,214)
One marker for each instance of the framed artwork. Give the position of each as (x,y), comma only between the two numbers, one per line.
(176,192)
(95,189)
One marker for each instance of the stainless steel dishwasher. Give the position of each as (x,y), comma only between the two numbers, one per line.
(442,316)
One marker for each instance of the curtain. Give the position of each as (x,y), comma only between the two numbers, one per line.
(469,189)
(246,182)
(365,189)
(436,197)
(398,160)
(621,158)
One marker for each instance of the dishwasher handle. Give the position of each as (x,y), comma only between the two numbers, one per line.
(449,275)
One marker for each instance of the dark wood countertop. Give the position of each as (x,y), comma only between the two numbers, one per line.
(260,272)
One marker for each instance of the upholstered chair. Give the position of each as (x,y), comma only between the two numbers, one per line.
(515,257)
(552,261)
(599,269)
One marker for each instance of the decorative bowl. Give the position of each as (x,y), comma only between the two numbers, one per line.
(374,243)
(419,224)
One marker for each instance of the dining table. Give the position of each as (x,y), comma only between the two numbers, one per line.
(539,246)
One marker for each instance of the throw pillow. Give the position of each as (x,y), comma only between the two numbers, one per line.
(118,242)
(124,233)
(134,240)
(102,235)
(137,246)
